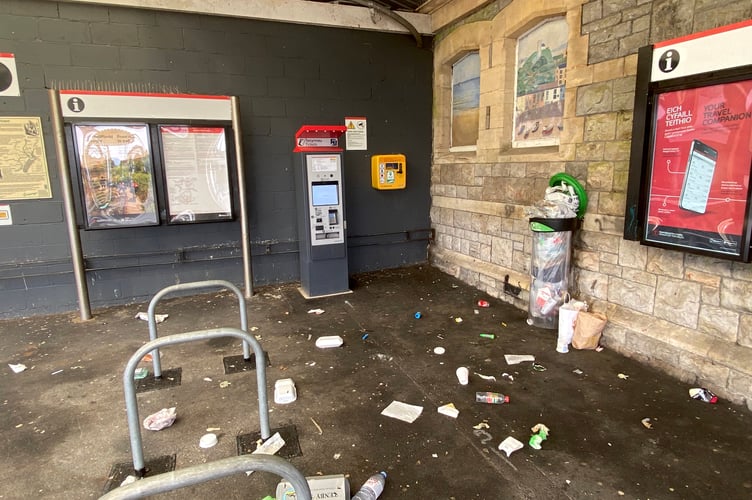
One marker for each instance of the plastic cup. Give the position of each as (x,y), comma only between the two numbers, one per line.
(463,375)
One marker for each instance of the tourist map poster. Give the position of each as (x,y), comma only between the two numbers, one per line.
(23,162)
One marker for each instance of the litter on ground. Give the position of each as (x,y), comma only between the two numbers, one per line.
(514,359)
(402,411)
(158,318)
(510,445)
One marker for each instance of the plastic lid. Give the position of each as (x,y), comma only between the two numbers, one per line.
(208,440)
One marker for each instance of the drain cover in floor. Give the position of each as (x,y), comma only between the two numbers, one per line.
(119,472)
(247,442)
(170,378)
(237,364)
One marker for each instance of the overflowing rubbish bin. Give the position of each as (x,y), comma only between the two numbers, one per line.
(549,269)
(552,223)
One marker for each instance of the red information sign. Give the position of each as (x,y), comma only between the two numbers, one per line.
(700,175)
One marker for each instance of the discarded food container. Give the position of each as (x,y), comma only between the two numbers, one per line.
(510,445)
(17,368)
(704,395)
(449,410)
(463,375)
(494,398)
(208,440)
(284,391)
(371,489)
(333,486)
(329,341)
(483,303)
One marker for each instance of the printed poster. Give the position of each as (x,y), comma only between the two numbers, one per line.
(702,153)
(23,162)
(196,173)
(116,175)
(356,133)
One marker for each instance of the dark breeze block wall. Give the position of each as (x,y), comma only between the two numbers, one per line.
(285,76)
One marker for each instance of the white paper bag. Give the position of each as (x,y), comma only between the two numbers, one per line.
(567,316)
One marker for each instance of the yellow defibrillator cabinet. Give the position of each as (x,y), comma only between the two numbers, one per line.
(388,171)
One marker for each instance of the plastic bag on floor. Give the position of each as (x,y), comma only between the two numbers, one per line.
(568,312)
(160,420)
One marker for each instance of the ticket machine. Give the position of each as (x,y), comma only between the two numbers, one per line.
(322,226)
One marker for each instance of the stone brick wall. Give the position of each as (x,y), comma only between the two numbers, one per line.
(688,315)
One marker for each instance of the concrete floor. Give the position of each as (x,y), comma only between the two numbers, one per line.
(64,425)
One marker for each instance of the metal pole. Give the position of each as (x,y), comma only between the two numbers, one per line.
(244,233)
(170,481)
(79,270)
(152,316)
(129,385)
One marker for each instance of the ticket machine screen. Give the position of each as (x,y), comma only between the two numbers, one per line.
(324,193)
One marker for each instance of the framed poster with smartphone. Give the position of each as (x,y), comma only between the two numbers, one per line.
(196,173)
(698,194)
(689,186)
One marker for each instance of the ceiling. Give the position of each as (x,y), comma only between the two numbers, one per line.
(399,5)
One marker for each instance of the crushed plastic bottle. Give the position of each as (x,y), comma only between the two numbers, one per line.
(371,489)
(493,398)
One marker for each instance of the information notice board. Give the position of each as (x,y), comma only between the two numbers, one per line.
(689,176)
(196,173)
(700,169)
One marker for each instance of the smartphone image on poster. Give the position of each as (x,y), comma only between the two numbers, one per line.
(698,177)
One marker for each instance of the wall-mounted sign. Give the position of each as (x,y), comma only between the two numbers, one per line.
(196,173)
(23,162)
(699,180)
(116,174)
(689,180)
(700,52)
(83,105)
(6,218)
(356,136)
(8,76)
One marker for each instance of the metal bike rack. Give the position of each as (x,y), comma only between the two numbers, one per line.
(193,286)
(129,384)
(190,476)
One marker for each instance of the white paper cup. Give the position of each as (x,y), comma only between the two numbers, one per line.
(463,375)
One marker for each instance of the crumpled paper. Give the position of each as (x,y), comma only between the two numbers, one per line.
(160,420)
